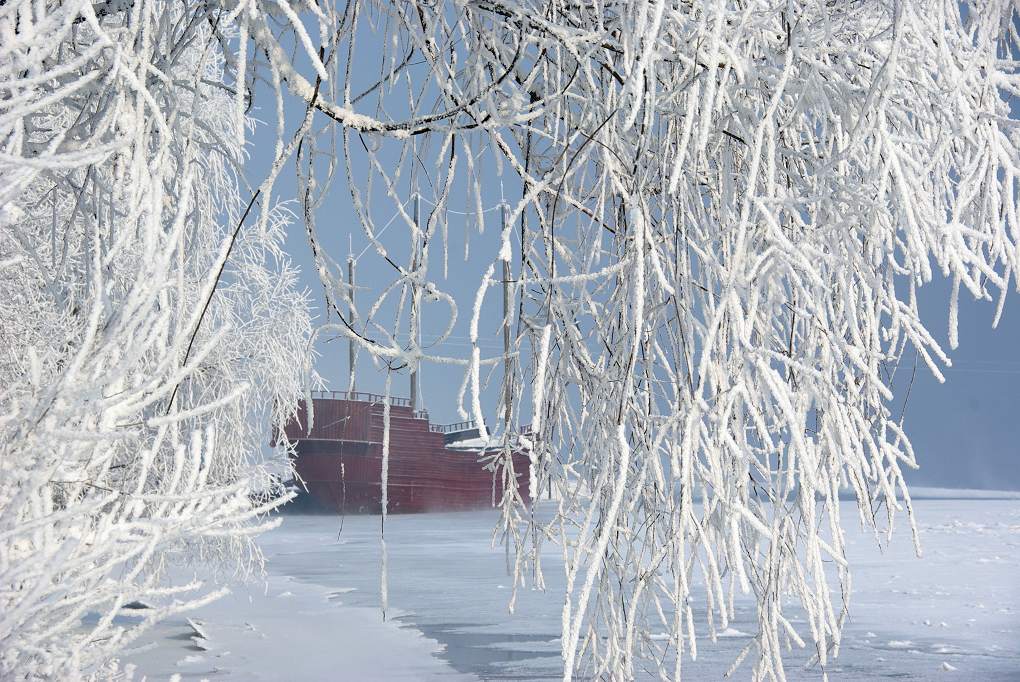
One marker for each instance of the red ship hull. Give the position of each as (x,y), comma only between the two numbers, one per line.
(340,461)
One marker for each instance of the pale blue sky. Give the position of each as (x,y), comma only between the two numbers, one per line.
(966,432)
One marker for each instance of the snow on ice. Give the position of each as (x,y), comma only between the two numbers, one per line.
(949,615)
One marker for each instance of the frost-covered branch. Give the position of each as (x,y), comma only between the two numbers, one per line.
(149,336)
(721,215)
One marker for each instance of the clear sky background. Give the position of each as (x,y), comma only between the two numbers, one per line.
(966,432)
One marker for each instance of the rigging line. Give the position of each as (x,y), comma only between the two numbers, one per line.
(212,292)
(384,227)
(427,201)
(450,210)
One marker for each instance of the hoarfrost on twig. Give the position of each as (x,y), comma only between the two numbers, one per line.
(725,212)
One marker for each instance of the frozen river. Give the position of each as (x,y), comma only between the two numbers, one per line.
(955,614)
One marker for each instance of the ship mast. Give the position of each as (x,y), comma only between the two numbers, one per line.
(350,341)
(507,387)
(415,322)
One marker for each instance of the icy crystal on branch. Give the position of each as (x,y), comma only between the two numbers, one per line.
(718,217)
(150,334)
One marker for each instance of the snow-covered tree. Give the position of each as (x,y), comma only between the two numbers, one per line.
(722,213)
(151,328)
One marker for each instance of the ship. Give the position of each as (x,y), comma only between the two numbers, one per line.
(431,467)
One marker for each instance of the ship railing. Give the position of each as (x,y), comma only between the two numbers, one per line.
(453,428)
(456,427)
(358,396)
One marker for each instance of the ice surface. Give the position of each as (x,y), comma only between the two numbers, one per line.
(955,614)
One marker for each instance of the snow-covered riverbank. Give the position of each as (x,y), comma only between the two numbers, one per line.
(955,614)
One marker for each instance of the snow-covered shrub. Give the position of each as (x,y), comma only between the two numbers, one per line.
(151,330)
